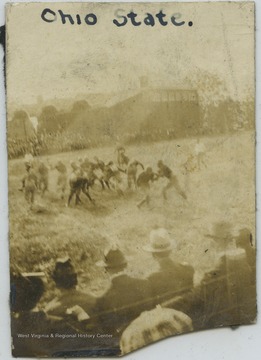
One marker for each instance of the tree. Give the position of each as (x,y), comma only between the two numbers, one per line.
(48,119)
(80,106)
(20,127)
(210,87)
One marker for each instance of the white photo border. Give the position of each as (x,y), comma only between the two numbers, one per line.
(215,344)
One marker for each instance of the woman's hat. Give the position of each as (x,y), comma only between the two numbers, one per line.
(160,241)
(152,326)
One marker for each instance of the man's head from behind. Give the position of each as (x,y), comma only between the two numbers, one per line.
(64,274)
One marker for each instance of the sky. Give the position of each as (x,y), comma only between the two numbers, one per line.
(62,60)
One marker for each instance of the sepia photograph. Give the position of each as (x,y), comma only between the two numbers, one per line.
(131,173)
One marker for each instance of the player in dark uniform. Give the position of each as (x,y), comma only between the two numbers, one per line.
(79,182)
(29,183)
(165,171)
(143,182)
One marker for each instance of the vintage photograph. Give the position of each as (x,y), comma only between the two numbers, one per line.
(131,173)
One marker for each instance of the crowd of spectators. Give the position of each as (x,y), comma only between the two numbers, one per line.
(57,142)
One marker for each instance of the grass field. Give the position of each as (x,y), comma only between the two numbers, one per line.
(222,190)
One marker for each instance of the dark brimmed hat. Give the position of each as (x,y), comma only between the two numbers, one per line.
(64,273)
(113,258)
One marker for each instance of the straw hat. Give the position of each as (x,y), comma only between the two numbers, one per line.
(160,241)
(152,326)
